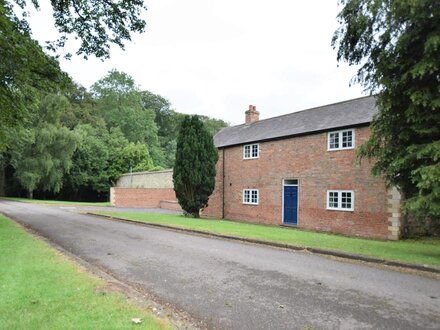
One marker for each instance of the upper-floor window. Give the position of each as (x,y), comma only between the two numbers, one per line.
(342,200)
(341,140)
(251,151)
(250,196)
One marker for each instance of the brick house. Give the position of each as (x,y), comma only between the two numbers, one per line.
(300,169)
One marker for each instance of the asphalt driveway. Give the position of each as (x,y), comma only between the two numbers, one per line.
(231,285)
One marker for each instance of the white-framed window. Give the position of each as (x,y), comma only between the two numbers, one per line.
(340,140)
(250,196)
(341,200)
(251,151)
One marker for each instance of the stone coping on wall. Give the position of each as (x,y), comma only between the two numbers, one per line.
(147,172)
(148,179)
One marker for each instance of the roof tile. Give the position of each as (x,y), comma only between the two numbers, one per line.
(347,113)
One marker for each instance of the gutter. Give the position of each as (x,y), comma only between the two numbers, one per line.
(289,136)
(223,183)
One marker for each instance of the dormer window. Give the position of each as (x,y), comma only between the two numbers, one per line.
(340,140)
(251,151)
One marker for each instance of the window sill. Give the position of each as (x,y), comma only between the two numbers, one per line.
(341,149)
(343,210)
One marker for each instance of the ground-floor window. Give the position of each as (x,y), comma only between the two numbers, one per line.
(250,196)
(342,200)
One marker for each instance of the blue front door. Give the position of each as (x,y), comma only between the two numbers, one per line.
(290,205)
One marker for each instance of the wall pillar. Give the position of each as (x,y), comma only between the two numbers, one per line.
(112,196)
(394,213)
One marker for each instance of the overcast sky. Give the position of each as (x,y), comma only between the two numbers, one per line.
(216,57)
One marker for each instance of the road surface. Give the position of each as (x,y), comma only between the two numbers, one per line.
(232,285)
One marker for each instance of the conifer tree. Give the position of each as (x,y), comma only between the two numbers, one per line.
(194,170)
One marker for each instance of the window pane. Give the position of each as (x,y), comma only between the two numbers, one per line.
(334,140)
(246,196)
(347,139)
(247,151)
(254,198)
(346,201)
(333,199)
(255,150)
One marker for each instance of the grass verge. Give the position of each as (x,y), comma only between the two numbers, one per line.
(420,251)
(43,201)
(41,289)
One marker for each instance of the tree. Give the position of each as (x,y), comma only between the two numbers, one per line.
(213,125)
(397,45)
(97,24)
(42,154)
(119,102)
(26,71)
(82,108)
(134,157)
(194,170)
(90,162)
(168,122)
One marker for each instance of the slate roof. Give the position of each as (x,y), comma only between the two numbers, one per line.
(354,112)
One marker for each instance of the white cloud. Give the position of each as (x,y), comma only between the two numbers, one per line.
(217,57)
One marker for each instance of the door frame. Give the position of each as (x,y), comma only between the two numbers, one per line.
(282,200)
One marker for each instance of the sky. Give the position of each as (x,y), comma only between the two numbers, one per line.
(215,57)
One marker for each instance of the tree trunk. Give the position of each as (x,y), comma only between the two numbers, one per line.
(31,194)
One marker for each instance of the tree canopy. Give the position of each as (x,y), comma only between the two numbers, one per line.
(120,103)
(397,46)
(97,24)
(41,153)
(27,72)
(76,143)
(194,170)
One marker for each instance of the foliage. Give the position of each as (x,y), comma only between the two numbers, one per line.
(90,160)
(82,108)
(134,157)
(97,24)
(42,154)
(26,72)
(101,157)
(194,170)
(168,122)
(213,125)
(397,45)
(119,102)
(117,128)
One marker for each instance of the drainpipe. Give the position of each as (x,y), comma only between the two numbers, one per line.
(223,183)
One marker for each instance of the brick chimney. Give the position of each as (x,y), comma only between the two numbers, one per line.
(252,115)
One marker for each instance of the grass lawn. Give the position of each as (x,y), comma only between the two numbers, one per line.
(41,289)
(42,201)
(421,251)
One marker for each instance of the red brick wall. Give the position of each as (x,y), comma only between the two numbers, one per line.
(317,170)
(142,197)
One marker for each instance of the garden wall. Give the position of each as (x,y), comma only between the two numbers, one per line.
(145,189)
